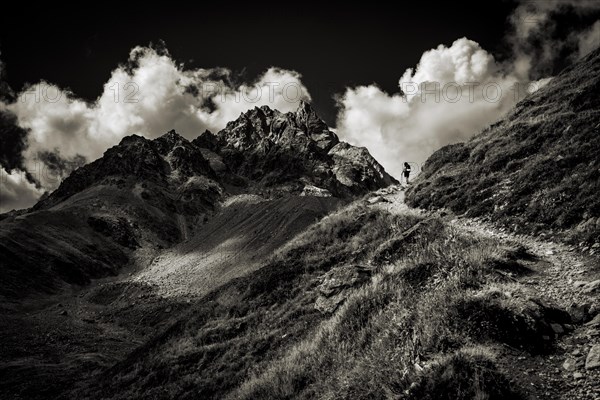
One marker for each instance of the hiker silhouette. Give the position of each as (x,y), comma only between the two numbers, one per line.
(406,171)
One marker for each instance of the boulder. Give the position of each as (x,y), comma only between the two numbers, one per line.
(337,284)
(579,313)
(591,287)
(569,364)
(557,329)
(595,321)
(377,199)
(310,190)
(593,358)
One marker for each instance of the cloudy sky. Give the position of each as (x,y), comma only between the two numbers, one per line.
(400,82)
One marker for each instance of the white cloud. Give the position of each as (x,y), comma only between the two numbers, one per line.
(540,39)
(277,88)
(453,92)
(464,61)
(530,15)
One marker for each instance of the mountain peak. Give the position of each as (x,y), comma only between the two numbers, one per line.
(290,151)
(304,105)
(308,121)
(207,140)
(172,134)
(170,139)
(305,112)
(132,139)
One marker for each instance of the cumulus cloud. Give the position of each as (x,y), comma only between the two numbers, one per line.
(464,61)
(148,96)
(278,88)
(452,93)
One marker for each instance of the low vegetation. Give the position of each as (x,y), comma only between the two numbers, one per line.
(426,327)
(426,324)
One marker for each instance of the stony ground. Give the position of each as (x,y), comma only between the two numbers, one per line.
(233,243)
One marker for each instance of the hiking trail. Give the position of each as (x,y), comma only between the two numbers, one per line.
(560,276)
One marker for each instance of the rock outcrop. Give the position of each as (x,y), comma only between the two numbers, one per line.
(337,284)
(284,153)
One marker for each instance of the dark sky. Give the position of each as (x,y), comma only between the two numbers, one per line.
(333,45)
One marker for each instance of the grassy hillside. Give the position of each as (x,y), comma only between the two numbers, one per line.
(44,253)
(367,303)
(47,343)
(90,235)
(536,170)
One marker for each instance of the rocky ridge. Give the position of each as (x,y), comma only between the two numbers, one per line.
(287,152)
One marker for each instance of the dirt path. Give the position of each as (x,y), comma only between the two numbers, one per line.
(562,277)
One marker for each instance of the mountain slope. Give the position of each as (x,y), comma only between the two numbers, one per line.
(537,170)
(374,301)
(155,225)
(144,195)
(135,196)
(235,242)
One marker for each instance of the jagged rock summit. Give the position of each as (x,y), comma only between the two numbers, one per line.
(288,151)
(166,161)
(263,151)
